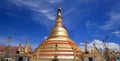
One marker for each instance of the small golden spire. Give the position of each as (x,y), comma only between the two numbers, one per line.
(95,48)
(26,48)
(86,48)
(20,46)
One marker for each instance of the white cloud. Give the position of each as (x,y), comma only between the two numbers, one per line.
(117,33)
(54,1)
(69,11)
(45,11)
(35,3)
(113,23)
(39,8)
(93,1)
(45,37)
(90,24)
(99,44)
(48,13)
(114,18)
(50,16)
(26,3)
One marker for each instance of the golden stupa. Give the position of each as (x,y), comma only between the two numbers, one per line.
(24,51)
(58,46)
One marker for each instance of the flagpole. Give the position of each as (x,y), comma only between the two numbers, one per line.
(106,49)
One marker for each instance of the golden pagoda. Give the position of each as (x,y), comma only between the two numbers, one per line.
(19,50)
(86,48)
(58,46)
(92,55)
(24,51)
(95,49)
(20,47)
(27,50)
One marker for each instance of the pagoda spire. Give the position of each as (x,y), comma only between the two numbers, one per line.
(59,17)
(20,46)
(86,48)
(26,50)
(58,29)
(95,48)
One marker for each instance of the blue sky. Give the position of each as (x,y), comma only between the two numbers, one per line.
(84,19)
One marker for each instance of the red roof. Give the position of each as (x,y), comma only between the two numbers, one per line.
(12,48)
(1,50)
